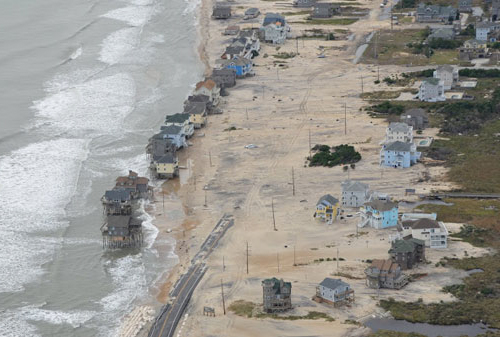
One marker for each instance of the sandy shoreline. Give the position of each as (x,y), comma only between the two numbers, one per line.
(279,110)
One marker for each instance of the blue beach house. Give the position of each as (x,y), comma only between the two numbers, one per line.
(241,65)
(399,154)
(379,214)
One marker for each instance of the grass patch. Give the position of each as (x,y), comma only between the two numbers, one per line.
(397,47)
(284,55)
(305,12)
(249,309)
(481,214)
(474,161)
(339,21)
(389,333)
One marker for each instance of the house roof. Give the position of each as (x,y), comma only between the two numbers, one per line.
(398,146)
(406,245)
(209,84)
(199,98)
(223,72)
(273,18)
(354,186)
(472,41)
(486,24)
(233,50)
(239,61)
(277,284)
(333,283)
(170,129)
(445,67)
(117,194)
(443,11)
(423,223)
(252,11)
(384,265)
(399,127)
(177,118)
(327,198)
(167,158)
(195,108)
(381,205)
(442,33)
(431,80)
(416,112)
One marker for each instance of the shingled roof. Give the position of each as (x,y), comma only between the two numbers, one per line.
(423,223)
(382,206)
(333,283)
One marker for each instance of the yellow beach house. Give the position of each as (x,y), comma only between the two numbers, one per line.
(166,166)
(327,208)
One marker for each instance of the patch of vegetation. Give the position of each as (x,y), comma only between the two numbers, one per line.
(389,333)
(405,4)
(470,30)
(479,73)
(406,47)
(305,12)
(444,44)
(242,308)
(285,55)
(481,216)
(419,74)
(338,21)
(232,128)
(380,95)
(474,162)
(249,309)
(388,108)
(337,155)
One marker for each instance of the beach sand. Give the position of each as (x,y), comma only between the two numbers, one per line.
(282,110)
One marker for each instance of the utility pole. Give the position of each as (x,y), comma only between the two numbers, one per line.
(310,155)
(263,93)
(223,264)
(278,259)
(205,199)
(361,83)
(297,44)
(163,200)
(247,257)
(222,293)
(210,157)
(378,72)
(294,256)
(293,183)
(391,17)
(246,112)
(274,219)
(345,118)
(375,56)
(337,259)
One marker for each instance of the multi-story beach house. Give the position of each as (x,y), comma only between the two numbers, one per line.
(274,28)
(166,166)
(448,75)
(174,133)
(197,113)
(465,6)
(354,193)
(182,120)
(399,132)
(435,13)
(334,291)
(208,88)
(431,90)
(277,295)
(434,233)
(485,29)
(407,252)
(327,208)
(240,65)
(385,274)
(137,186)
(399,155)
(474,49)
(323,10)
(379,214)
(416,118)
(221,11)
(117,202)
(224,78)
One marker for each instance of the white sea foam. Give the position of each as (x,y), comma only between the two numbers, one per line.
(76,54)
(37,183)
(99,104)
(149,230)
(134,15)
(118,44)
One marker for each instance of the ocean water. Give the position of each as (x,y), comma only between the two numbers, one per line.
(84,84)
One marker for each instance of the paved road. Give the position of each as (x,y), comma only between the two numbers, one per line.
(166,322)
(461,195)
